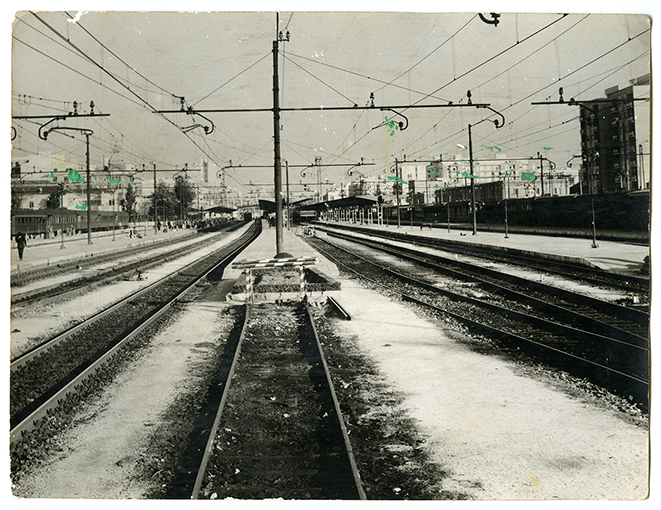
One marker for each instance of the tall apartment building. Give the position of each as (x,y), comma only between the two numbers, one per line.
(615,138)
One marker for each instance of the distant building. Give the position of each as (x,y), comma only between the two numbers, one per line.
(36,188)
(615,136)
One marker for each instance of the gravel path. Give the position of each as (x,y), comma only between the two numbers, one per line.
(100,454)
(501,433)
(501,430)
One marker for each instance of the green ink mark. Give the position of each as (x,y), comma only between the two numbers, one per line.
(630,397)
(432,171)
(461,146)
(397,179)
(527,176)
(548,148)
(81,206)
(52,176)
(114,181)
(392,126)
(74,176)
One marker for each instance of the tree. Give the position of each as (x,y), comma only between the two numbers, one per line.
(128,202)
(165,202)
(17,195)
(54,200)
(184,194)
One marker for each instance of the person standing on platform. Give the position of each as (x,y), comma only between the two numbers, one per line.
(21,243)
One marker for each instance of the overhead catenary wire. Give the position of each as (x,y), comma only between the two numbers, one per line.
(427,56)
(321,81)
(500,53)
(142,100)
(555,83)
(360,75)
(80,25)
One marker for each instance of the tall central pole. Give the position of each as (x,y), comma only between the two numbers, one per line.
(277,164)
(541,170)
(89,210)
(155,204)
(398,183)
(470,160)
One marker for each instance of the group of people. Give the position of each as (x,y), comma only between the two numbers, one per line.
(171,225)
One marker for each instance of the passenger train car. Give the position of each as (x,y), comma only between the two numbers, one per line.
(41,222)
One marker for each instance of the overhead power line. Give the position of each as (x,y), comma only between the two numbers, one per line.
(494,57)
(80,25)
(427,56)
(355,73)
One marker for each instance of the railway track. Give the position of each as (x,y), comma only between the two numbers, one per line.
(566,342)
(60,291)
(279,430)
(46,376)
(598,316)
(22,278)
(580,273)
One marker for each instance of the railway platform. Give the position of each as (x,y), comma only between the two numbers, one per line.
(264,248)
(42,252)
(616,257)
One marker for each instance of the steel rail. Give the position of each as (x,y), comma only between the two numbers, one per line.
(209,448)
(635,316)
(221,407)
(21,278)
(338,411)
(60,290)
(340,309)
(39,350)
(27,424)
(586,274)
(499,332)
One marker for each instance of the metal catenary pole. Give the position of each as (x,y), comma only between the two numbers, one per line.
(89,209)
(277,163)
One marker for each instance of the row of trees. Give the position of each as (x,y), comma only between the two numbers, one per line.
(172,202)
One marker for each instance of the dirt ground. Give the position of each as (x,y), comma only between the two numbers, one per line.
(503,434)
(100,453)
(502,431)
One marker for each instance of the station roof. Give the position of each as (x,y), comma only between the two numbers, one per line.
(267,205)
(220,209)
(342,202)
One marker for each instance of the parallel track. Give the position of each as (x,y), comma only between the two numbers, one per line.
(619,366)
(598,316)
(42,378)
(279,431)
(578,272)
(60,291)
(21,278)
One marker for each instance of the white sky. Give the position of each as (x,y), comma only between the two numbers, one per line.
(332,59)
(164,55)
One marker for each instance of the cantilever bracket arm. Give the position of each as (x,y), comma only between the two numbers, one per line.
(207,129)
(496,122)
(44,134)
(84,131)
(402,125)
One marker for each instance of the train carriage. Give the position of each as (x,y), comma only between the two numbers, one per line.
(41,222)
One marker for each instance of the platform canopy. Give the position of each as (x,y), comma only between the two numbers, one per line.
(218,209)
(266,205)
(363,200)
